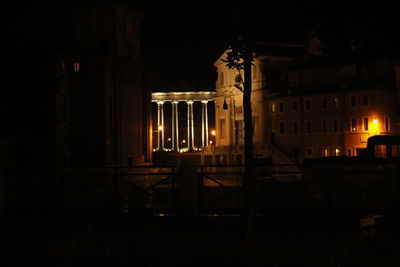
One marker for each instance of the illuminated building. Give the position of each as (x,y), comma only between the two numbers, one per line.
(303,109)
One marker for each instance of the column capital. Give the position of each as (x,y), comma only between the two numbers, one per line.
(189,102)
(204,101)
(160,102)
(175,101)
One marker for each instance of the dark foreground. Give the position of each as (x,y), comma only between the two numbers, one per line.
(126,240)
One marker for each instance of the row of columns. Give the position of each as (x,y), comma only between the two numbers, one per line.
(175,125)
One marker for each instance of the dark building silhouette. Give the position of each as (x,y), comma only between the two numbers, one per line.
(81,94)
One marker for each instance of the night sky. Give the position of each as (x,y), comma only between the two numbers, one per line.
(184,40)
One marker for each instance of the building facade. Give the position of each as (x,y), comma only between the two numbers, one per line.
(97,92)
(304,109)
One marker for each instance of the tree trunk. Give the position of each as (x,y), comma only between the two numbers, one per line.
(249,183)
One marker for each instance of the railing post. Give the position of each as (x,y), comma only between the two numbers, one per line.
(397,182)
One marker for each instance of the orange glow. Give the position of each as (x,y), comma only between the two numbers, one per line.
(213,132)
(160,127)
(375,121)
(77,66)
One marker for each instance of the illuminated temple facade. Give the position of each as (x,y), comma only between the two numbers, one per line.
(327,106)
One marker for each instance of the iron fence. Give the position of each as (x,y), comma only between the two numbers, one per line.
(329,189)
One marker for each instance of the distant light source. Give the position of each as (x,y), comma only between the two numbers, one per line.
(169,139)
(160,127)
(213,132)
(183,141)
(375,121)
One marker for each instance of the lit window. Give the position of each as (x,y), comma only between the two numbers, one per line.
(76,66)
(353,126)
(273,107)
(335,102)
(365,120)
(337,152)
(325,152)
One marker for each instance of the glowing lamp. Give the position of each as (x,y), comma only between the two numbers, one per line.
(213,132)
(160,127)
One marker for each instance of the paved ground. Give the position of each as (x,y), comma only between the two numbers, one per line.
(105,240)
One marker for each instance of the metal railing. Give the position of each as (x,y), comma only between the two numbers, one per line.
(322,189)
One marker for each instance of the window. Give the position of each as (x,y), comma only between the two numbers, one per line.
(387,124)
(222,128)
(308,104)
(308,126)
(365,100)
(353,126)
(335,102)
(380,151)
(353,101)
(76,66)
(365,120)
(337,152)
(324,103)
(294,106)
(325,152)
(281,128)
(335,125)
(324,126)
(273,107)
(295,127)
(281,107)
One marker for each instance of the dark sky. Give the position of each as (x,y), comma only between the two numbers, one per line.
(184,40)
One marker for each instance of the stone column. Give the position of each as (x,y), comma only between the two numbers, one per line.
(190,130)
(160,121)
(175,126)
(204,123)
